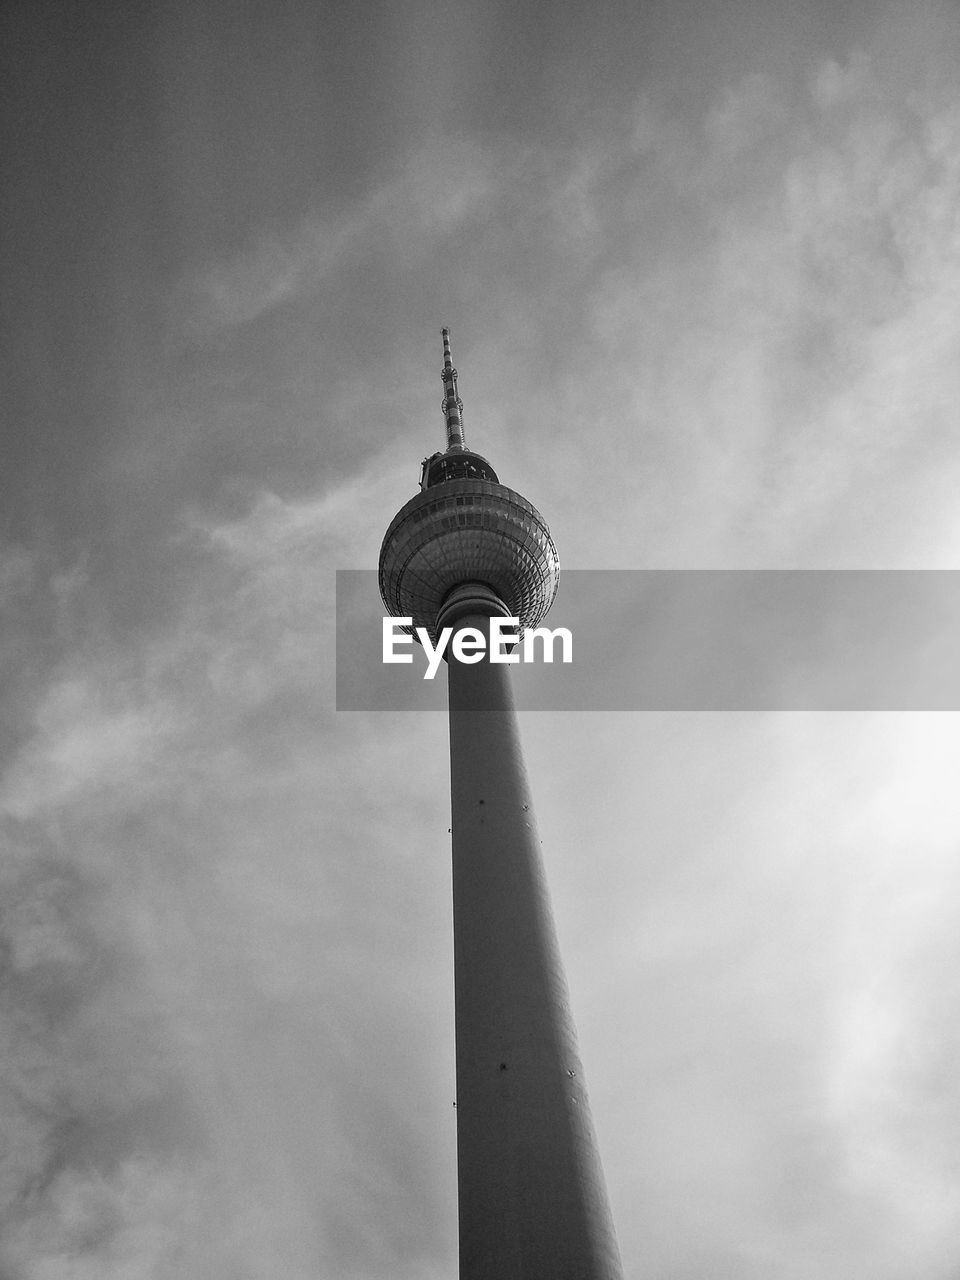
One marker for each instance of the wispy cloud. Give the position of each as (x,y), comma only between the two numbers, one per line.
(432,195)
(780,321)
(188,1088)
(81,747)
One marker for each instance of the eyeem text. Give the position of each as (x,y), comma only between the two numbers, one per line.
(470,643)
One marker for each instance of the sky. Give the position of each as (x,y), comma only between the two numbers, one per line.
(701,264)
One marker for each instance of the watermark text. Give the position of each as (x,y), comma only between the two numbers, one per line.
(470,643)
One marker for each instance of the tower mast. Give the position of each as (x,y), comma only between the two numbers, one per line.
(532,1202)
(452,404)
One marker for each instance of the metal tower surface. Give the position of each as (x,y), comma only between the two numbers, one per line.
(532,1203)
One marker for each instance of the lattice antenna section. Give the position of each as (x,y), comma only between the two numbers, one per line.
(452,404)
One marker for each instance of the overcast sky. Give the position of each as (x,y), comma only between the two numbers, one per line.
(701,262)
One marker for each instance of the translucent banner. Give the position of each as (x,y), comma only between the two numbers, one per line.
(696,640)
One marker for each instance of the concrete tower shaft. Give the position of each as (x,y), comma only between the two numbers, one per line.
(532,1200)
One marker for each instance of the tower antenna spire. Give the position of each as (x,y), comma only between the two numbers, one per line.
(452,404)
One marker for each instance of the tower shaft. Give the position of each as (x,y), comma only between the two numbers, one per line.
(532,1201)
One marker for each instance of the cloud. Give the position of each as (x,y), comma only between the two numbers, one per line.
(128,1225)
(767,922)
(775,337)
(80,747)
(203,948)
(280,267)
(431,195)
(745,117)
(88,1069)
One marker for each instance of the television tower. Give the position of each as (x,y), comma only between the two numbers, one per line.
(532,1202)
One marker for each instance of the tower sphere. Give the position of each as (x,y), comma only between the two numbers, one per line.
(465,527)
(463,531)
